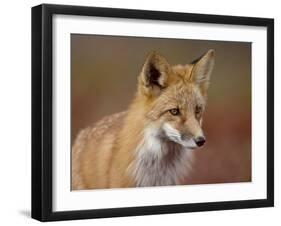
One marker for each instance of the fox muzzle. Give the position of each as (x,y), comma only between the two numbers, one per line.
(200,141)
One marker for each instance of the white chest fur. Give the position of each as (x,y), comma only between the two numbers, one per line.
(159,162)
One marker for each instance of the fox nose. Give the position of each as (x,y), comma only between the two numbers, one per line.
(199,141)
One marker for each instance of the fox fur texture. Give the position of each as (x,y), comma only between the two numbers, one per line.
(152,143)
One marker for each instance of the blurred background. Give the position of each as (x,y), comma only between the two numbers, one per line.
(104,72)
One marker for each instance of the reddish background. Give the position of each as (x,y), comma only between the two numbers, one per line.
(104,75)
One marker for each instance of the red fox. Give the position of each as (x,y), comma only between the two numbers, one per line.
(151,143)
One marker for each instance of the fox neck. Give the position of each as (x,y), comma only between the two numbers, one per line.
(150,160)
(159,161)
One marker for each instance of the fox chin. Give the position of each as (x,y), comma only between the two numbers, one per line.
(152,142)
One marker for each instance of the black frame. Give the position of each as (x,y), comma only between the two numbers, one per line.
(42,112)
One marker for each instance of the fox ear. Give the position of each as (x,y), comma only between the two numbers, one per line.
(154,74)
(202,69)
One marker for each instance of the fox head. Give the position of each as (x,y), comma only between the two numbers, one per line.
(175,97)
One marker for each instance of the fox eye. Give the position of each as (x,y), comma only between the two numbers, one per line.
(198,109)
(174,111)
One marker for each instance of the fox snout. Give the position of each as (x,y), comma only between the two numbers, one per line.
(193,128)
(188,138)
(200,141)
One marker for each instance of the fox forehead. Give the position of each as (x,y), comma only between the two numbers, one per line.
(181,89)
(182,71)
(181,95)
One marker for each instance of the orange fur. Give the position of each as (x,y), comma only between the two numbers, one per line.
(105,155)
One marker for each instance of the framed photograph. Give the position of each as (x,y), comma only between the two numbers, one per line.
(145,112)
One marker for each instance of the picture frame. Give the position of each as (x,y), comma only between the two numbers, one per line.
(43,122)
